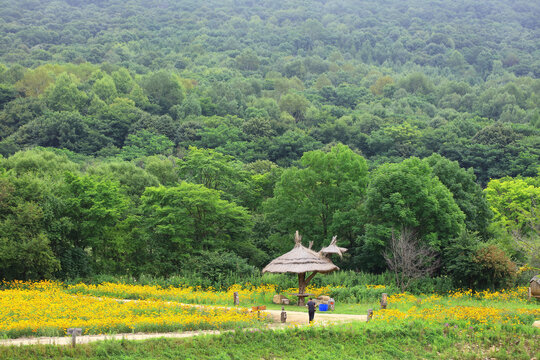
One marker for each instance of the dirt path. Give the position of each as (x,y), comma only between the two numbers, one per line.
(293,318)
(91,338)
(298,317)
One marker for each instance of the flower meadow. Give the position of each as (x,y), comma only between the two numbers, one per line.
(466,307)
(248,294)
(47,309)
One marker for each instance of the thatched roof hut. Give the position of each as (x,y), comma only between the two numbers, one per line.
(301,260)
(534,287)
(333,248)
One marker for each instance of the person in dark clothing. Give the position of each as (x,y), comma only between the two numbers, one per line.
(311,309)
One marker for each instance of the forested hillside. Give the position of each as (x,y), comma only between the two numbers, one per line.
(164,137)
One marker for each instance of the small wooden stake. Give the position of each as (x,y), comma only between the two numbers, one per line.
(369,314)
(236,298)
(384,300)
(74,332)
(283,315)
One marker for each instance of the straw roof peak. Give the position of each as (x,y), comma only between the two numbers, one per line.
(300,260)
(297,239)
(333,248)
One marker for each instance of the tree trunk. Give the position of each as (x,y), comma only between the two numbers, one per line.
(301,288)
(302,284)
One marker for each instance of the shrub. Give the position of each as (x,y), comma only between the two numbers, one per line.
(495,267)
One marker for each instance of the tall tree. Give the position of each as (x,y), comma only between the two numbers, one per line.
(25,251)
(216,171)
(185,220)
(95,207)
(163,89)
(408,195)
(516,207)
(64,94)
(322,198)
(466,191)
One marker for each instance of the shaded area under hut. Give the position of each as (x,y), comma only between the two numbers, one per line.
(301,260)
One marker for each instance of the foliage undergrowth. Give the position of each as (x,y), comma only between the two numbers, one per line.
(346,279)
(397,340)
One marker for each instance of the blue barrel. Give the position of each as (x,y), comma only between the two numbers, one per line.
(323,307)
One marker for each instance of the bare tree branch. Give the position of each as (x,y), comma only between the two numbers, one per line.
(409,260)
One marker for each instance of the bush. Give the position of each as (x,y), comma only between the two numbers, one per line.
(359,294)
(438,285)
(495,267)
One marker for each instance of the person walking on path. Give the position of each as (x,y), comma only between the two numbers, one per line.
(311,309)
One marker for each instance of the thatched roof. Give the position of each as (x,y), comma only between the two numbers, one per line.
(300,260)
(333,248)
(536,279)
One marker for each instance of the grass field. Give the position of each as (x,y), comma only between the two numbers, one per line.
(399,340)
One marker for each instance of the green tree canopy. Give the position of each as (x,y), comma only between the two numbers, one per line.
(64,94)
(186,219)
(321,199)
(466,191)
(408,195)
(163,89)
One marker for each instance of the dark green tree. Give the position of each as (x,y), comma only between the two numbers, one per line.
(408,195)
(163,89)
(321,199)
(466,191)
(185,220)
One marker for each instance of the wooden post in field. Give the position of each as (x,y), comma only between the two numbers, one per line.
(258,310)
(236,298)
(283,315)
(384,300)
(74,332)
(369,314)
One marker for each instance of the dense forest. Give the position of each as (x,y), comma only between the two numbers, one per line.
(168,137)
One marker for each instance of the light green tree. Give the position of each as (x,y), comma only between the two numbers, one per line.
(516,213)
(105,89)
(64,95)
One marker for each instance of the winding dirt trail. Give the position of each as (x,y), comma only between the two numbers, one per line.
(298,317)
(294,318)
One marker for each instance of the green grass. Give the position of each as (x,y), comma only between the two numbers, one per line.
(354,309)
(401,340)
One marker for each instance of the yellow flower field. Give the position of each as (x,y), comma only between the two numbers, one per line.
(471,314)
(46,309)
(471,307)
(49,308)
(248,294)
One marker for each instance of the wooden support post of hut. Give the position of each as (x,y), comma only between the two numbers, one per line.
(301,260)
